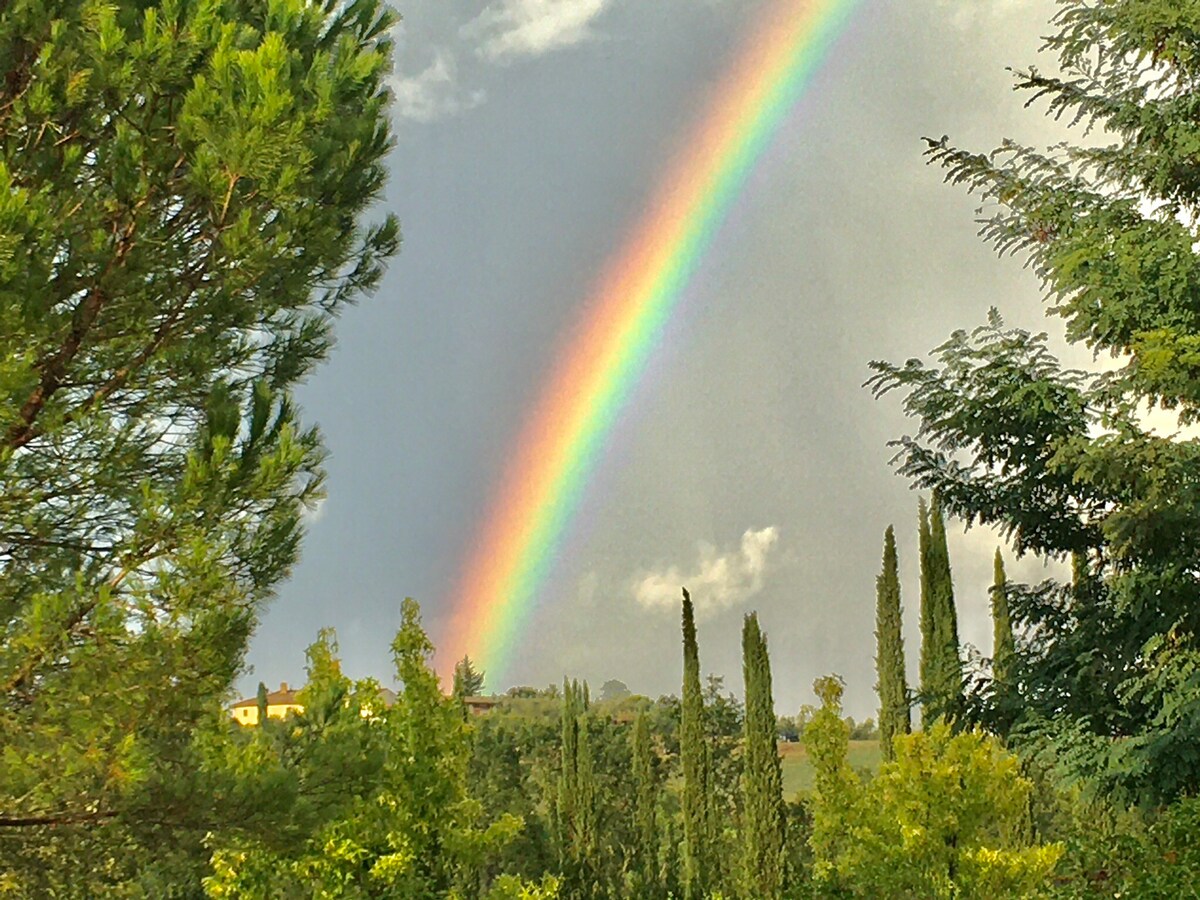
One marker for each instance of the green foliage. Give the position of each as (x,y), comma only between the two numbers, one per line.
(380,807)
(576,814)
(1060,460)
(644,862)
(892,687)
(941,665)
(514,771)
(468,681)
(763,825)
(696,760)
(508,887)
(1124,854)
(183,188)
(948,817)
(1003,644)
(836,788)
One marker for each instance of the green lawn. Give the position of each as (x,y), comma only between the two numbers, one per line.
(798,774)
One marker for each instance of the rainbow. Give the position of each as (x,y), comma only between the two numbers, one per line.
(623,321)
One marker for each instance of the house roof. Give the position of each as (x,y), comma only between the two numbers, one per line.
(481,701)
(285,696)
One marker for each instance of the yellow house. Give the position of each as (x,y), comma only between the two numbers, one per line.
(279,704)
(283,701)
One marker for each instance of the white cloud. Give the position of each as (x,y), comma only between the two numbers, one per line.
(719,581)
(433,93)
(515,28)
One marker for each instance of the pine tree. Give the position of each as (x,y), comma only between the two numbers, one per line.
(894,713)
(468,681)
(692,752)
(645,804)
(184,200)
(762,778)
(1003,645)
(941,665)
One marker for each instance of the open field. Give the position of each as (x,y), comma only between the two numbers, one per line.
(798,772)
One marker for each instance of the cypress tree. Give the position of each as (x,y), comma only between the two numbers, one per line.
(941,666)
(262,704)
(645,803)
(568,778)
(576,807)
(762,778)
(1003,645)
(692,755)
(894,715)
(585,801)
(928,621)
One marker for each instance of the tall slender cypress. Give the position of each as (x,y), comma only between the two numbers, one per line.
(568,778)
(645,805)
(894,713)
(1003,645)
(263,704)
(575,813)
(762,777)
(586,837)
(929,641)
(941,665)
(947,611)
(692,755)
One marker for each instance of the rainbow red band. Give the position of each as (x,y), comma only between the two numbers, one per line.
(622,324)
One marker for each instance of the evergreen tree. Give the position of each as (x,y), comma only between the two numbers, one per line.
(762,777)
(468,681)
(941,665)
(645,805)
(577,790)
(894,712)
(1003,645)
(262,704)
(586,835)
(567,804)
(183,198)
(927,672)
(695,759)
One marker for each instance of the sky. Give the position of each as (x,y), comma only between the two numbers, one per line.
(750,464)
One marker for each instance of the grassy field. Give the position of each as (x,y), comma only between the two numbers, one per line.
(798,773)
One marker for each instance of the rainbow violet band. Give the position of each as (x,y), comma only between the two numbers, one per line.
(622,323)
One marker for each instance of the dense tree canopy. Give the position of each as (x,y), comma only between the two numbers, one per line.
(183,188)
(1061,460)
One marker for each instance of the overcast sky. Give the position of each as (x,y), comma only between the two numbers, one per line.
(750,465)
